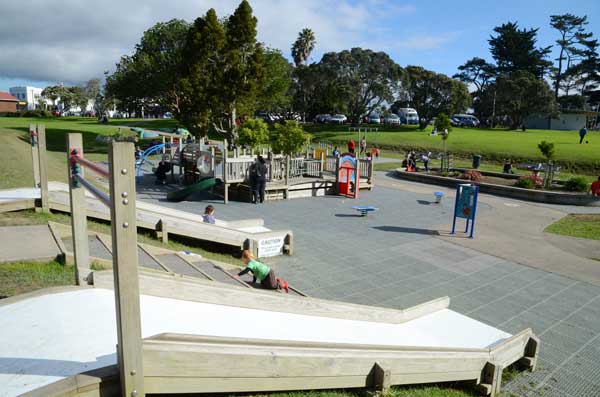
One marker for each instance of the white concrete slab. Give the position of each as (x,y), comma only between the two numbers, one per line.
(54,336)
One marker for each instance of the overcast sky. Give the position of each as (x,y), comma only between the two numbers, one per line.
(50,41)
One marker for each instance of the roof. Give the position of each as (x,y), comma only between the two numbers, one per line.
(5,96)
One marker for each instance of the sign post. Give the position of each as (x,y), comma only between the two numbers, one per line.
(465,206)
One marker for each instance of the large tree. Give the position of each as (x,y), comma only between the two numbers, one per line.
(151,75)
(476,71)
(275,93)
(432,93)
(303,46)
(521,94)
(516,49)
(365,79)
(223,71)
(571,29)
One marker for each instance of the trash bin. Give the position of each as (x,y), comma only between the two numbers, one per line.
(476,161)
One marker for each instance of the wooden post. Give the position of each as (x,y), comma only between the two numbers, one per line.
(371,170)
(35,159)
(164,230)
(125,267)
(212,159)
(225,185)
(287,177)
(43,164)
(78,203)
(323,162)
(381,379)
(357,178)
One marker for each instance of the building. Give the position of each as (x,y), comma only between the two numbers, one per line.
(30,95)
(8,103)
(568,119)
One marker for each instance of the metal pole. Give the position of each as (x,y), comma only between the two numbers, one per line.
(41,140)
(474,211)
(455,205)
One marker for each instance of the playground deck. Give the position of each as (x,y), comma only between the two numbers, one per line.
(299,335)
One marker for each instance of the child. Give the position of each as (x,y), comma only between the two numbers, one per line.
(208,216)
(261,272)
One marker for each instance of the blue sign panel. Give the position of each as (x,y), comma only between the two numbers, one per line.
(466,203)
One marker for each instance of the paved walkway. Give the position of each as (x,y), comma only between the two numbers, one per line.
(398,257)
(27,243)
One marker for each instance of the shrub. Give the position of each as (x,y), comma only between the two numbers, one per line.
(253,133)
(576,184)
(471,175)
(529,182)
(547,149)
(442,121)
(288,138)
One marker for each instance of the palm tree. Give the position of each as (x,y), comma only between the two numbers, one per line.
(303,46)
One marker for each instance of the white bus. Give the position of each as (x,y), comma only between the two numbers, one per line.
(408,115)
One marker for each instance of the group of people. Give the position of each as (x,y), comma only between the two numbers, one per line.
(352,149)
(410,162)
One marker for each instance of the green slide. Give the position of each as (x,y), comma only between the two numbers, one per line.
(203,184)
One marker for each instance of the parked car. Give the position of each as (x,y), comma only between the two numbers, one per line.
(466,120)
(408,115)
(373,118)
(167,115)
(338,119)
(322,118)
(391,119)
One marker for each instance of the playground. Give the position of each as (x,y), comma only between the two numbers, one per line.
(396,273)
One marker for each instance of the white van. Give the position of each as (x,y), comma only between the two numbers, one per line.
(408,115)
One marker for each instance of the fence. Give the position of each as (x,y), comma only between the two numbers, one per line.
(122,203)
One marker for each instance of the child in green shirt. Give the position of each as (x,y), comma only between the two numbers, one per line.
(261,272)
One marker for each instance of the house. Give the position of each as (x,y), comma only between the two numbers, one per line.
(568,119)
(8,103)
(30,95)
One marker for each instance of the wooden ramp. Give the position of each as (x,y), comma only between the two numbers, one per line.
(242,340)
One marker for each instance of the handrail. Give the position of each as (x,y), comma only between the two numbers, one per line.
(90,164)
(100,195)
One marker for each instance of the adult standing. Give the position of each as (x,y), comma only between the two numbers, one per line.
(351,146)
(258,179)
(582,134)
(595,188)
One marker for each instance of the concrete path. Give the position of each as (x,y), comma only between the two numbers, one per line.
(27,243)
(514,230)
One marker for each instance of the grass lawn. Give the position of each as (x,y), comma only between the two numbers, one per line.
(15,151)
(582,226)
(21,277)
(494,145)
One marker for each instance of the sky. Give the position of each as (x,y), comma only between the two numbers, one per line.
(45,42)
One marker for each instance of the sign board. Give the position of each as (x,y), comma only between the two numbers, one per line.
(466,202)
(272,246)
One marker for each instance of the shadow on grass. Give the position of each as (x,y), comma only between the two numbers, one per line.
(410,230)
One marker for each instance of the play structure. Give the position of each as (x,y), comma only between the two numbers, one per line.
(240,234)
(172,334)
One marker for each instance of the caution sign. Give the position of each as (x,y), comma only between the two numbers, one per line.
(272,246)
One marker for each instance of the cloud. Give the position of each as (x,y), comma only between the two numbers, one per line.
(72,41)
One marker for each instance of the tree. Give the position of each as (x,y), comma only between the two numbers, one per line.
(275,93)
(303,46)
(253,133)
(289,138)
(572,32)
(476,71)
(442,122)
(432,93)
(364,78)
(520,94)
(515,49)
(152,73)
(587,72)
(547,149)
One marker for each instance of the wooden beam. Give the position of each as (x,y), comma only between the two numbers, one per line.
(125,267)
(79,233)
(35,159)
(43,164)
(381,379)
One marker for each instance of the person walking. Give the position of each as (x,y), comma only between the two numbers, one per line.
(582,134)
